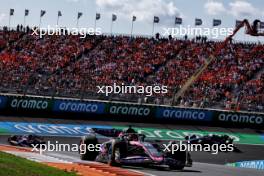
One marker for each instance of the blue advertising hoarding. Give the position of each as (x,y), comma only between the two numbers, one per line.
(184,114)
(78,107)
(255,164)
(3,101)
(47,129)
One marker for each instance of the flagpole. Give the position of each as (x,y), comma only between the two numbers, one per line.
(58,20)
(95,23)
(9,22)
(24,21)
(39,22)
(111,28)
(172,31)
(132,26)
(153,28)
(77,24)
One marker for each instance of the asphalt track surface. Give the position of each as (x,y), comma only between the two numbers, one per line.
(205,164)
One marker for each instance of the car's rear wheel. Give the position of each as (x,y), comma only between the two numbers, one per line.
(180,160)
(83,150)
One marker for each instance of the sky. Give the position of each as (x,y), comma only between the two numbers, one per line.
(207,10)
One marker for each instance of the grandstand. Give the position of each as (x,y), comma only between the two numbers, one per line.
(70,66)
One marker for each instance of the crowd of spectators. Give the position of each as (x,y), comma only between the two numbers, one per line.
(71,66)
(252,95)
(28,60)
(117,60)
(232,68)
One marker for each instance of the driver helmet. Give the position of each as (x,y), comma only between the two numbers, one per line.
(132,137)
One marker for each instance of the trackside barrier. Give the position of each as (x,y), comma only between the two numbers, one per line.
(239,119)
(78,107)
(3,100)
(28,104)
(184,114)
(120,111)
(256,164)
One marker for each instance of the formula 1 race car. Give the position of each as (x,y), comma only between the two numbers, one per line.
(132,149)
(26,140)
(210,139)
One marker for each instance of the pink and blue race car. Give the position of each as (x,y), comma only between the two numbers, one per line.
(133,149)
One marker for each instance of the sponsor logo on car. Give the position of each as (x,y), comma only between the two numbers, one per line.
(135,160)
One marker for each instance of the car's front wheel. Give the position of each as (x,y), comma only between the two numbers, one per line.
(83,149)
(116,152)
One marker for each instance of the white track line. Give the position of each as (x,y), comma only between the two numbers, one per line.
(140,172)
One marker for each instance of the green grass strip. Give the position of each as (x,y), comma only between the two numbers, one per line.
(11,165)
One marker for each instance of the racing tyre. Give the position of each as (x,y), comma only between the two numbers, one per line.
(117,152)
(88,155)
(180,158)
